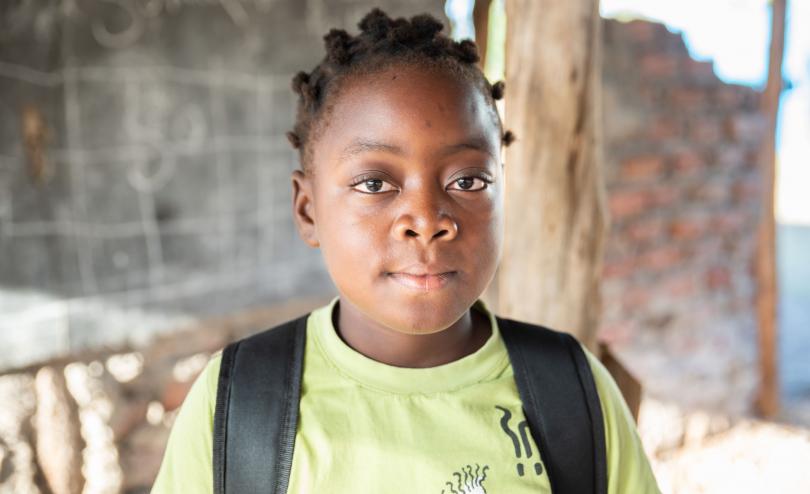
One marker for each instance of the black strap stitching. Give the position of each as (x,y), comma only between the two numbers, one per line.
(594,408)
(292,387)
(522,370)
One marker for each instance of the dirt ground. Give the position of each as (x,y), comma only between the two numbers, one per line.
(698,452)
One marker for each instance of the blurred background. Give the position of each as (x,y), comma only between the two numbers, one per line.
(145,222)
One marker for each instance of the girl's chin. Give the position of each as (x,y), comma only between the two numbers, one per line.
(422,321)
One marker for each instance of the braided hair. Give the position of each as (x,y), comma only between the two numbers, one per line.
(382,41)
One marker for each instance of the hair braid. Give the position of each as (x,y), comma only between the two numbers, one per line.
(381,41)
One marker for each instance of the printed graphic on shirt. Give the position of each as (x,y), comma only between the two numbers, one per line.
(526,452)
(468,481)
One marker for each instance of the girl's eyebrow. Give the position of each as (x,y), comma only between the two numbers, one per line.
(477,143)
(359,146)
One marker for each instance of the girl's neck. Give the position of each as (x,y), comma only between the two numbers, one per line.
(462,338)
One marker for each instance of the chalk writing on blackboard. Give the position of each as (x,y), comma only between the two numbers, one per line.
(133,15)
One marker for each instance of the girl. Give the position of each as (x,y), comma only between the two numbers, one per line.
(407,383)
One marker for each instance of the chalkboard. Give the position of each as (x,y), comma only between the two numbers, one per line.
(144,173)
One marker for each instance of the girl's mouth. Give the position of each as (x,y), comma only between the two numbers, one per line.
(423,283)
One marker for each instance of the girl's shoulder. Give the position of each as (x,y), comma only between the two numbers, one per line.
(186,465)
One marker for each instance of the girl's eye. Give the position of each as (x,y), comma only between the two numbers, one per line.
(378,186)
(467,183)
(372,186)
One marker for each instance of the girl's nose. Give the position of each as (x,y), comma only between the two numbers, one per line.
(423,218)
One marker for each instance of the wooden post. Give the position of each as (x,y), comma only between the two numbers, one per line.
(625,380)
(555,193)
(768,395)
(481,23)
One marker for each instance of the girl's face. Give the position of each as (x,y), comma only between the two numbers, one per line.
(406,199)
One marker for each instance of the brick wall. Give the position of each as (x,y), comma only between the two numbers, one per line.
(680,150)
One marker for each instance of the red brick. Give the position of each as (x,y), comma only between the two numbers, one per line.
(705,130)
(615,333)
(659,66)
(616,247)
(699,70)
(618,269)
(661,258)
(652,94)
(714,192)
(747,190)
(730,221)
(642,168)
(687,228)
(747,127)
(729,96)
(731,157)
(663,195)
(646,230)
(708,248)
(687,162)
(687,98)
(740,304)
(625,204)
(636,298)
(752,100)
(670,42)
(752,158)
(640,30)
(663,128)
(679,286)
(718,277)
(732,245)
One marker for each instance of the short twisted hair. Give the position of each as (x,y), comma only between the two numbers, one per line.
(383,41)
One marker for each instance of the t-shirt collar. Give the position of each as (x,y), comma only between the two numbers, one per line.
(482,365)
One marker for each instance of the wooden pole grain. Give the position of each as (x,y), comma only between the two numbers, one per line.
(767,402)
(555,194)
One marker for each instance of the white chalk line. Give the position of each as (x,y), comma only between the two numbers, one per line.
(73,123)
(232,80)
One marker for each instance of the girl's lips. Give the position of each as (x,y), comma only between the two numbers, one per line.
(423,283)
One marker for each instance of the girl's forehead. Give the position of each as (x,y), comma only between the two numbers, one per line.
(406,83)
(411,106)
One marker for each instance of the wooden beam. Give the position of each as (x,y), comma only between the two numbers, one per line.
(625,380)
(556,216)
(481,24)
(767,402)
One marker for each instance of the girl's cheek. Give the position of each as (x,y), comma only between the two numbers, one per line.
(485,209)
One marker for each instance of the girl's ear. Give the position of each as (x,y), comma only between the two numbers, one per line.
(302,202)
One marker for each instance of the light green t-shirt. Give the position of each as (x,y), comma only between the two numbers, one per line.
(365,426)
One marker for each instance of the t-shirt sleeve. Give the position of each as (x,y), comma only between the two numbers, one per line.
(187,462)
(627,464)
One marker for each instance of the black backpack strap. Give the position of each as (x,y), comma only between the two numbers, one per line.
(257,410)
(561,405)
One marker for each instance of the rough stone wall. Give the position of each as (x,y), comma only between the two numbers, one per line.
(101,424)
(680,150)
(144,172)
